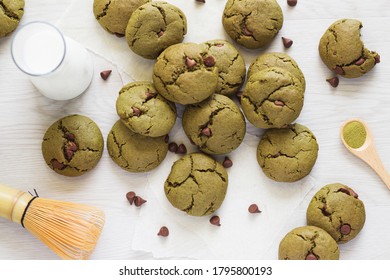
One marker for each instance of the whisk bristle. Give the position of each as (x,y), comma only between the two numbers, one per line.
(71,230)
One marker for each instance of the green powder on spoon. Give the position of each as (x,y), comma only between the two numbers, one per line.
(354,134)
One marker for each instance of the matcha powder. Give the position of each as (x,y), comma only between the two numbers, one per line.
(354,134)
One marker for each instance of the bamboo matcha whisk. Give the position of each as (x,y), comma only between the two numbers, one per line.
(70,230)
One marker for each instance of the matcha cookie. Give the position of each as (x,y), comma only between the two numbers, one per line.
(134,152)
(308,243)
(144,111)
(155,26)
(280,60)
(11,12)
(287,154)
(230,64)
(215,125)
(252,23)
(337,209)
(73,145)
(343,52)
(184,73)
(272,98)
(113,15)
(197,184)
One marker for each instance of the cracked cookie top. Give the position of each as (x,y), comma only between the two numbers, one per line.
(144,111)
(185,74)
(275,59)
(272,98)
(230,64)
(11,12)
(113,15)
(73,145)
(343,52)
(215,125)
(308,243)
(197,184)
(252,23)
(134,152)
(337,209)
(155,26)
(287,154)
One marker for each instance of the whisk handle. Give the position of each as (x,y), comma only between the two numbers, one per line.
(13,203)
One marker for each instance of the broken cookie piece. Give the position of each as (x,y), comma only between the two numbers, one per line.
(287,154)
(197,184)
(342,50)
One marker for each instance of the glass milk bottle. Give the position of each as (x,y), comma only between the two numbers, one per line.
(59,67)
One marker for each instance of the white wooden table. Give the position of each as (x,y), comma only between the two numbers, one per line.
(25,115)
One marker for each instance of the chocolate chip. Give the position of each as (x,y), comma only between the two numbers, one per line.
(201,1)
(339,70)
(227,162)
(246,31)
(311,257)
(172,147)
(345,229)
(324,211)
(377,58)
(279,103)
(239,94)
(164,231)
(292,3)
(69,136)
(287,42)
(56,164)
(209,61)
(149,95)
(159,34)
(105,74)
(334,82)
(136,111)
(349,192)
(72,146)
(346,191)
(181,149)
(190,62)
(355,195)
(68,155)
(130,197)
(215,220)
(253,208)
(166,138)
(360,61)
(206,131)
(138,201)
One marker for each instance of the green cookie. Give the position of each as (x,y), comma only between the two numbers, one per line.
(113,15)
(11,12)
(134,152)
(144,111)
(308,243)
(252,23)
(215,125)
(184,73)
(275,59)
(155,26)
(287,154)
(272,98)
(343,52)
(197,184)
(337,209)
(73,145)
(230,64)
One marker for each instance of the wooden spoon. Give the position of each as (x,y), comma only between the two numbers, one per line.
(367,152)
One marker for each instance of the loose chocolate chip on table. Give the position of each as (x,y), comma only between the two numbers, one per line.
(215,220)
(56,164)
(360,61)
(164,231)
(172,147)
(201,1)
(227,162)
(209,61)
(279,103)
(105,74)
(190,62)
(130,197)
(287,42)
(181,149)
(136,111)
(378,59)
(345,229)
(334,82)
(166,138)
(311,257)
(138,201)
(253,208)
(339,70)
(206,131)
